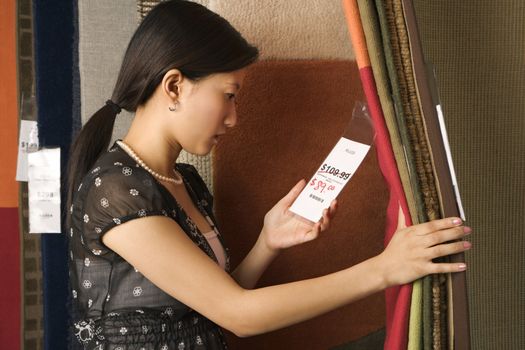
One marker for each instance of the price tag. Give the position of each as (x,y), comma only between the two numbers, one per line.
(331,177)
(28,143)
(44,191)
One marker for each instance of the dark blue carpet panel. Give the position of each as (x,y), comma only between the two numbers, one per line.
(55,23)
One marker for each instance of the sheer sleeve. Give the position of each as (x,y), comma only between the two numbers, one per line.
(197,183)
(115,196)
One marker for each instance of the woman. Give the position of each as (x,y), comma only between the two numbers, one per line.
(148,267)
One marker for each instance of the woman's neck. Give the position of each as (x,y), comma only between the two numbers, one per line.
(151,144)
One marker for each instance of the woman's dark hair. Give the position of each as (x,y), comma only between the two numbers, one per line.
(175,34)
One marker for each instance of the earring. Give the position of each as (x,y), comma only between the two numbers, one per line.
(174,108)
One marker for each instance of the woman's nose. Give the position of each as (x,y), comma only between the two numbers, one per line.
(231,118)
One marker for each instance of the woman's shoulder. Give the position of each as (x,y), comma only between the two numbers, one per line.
(113,160)
(116,168)
(116,190)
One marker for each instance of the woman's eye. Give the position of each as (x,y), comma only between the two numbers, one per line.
(230,96)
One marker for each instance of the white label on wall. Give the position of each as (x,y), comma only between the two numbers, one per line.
(331,177)
(44,191)
(28,143)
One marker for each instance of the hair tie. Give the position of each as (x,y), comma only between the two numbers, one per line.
(116,108)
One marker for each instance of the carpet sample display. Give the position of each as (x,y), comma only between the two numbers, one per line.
(100,55)
(459,329)
(431,163)
(416,313)
(415,324)
(427,313)
(403,155)
(9,104)
(397,298)
(378,45)
(424,139)
(289,29)
(10,270)
(54,28)
(10,294)
(478,52)
(374,45)
(411,107)
(393,80)
(418,141)
(76,124)
(278,141)
(397,75)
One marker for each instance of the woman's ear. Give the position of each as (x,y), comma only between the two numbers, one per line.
(172,83)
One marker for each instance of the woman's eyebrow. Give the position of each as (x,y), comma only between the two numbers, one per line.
(234,84)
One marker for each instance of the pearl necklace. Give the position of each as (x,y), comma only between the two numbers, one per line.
(132,154)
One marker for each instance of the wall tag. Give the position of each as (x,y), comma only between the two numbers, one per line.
(44,191)
(28,143)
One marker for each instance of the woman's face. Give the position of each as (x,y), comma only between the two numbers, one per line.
(206,109)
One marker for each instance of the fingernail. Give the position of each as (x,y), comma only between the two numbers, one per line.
(462,267)
(467,244)
(467,230)
(456,221)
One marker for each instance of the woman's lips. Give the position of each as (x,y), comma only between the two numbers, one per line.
(216,137)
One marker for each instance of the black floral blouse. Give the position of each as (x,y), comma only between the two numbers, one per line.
(114,306)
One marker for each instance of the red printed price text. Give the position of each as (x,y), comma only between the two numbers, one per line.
(321,186)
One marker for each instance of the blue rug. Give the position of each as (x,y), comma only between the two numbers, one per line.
(54,32)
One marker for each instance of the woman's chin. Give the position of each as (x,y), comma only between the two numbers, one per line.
(201,151)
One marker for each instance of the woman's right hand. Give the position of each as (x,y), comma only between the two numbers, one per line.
(409,253)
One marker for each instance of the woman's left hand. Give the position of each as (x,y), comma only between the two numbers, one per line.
(284,229)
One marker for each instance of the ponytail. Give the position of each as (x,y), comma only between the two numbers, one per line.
(90,143)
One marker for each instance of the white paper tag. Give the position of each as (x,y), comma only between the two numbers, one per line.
(44,191)
(28,143)
(330,179)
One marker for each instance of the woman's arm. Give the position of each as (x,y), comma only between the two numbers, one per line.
(254,264)
(282,229)
(159,248)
